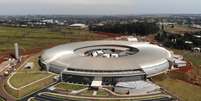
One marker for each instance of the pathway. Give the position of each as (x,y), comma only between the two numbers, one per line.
(78,91)
(3,93)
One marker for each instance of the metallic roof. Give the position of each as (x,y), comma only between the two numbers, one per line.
(149,55)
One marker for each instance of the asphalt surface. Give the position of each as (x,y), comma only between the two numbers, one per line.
(36,93)
(44,97)
(3,94)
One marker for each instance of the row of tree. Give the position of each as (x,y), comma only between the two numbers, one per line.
(186,41)
(139,28)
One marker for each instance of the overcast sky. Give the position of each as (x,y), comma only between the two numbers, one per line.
(100,7)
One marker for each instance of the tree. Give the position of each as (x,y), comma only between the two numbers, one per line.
(142,28)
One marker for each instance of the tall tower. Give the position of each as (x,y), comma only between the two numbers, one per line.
(17,55)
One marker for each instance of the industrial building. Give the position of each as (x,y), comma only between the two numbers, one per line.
(110,62)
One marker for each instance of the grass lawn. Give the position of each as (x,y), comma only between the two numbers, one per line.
(36,67)
(63,98)
(56,96)
(185,91)
(27,76)
(21,79)
(1,99)
(38,38)
(69,87)
(102,93)
(181,29)
(173,81)
(33,99)
(193,57)
(30,38)
(87,93)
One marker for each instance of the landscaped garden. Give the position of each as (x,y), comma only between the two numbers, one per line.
(69,87)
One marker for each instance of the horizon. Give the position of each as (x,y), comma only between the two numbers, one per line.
(99,7)
(159,14)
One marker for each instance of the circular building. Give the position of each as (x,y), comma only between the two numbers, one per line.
(106,61)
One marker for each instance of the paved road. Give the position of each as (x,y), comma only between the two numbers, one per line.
(36,93)
(44,97)
(4,65)
(2,91)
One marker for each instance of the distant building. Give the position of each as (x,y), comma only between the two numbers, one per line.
(48,21)
(196,26)
(132,39)
(78,25)
(166,23)
(197,36)
(127,38)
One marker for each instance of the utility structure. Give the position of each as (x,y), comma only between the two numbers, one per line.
(17,54)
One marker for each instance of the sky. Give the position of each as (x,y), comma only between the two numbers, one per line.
(99,7)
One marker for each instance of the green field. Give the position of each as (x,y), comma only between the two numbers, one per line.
(36,67)
(180,29)
(30,38)
(21,79)
(24,77)
(183,90)
(1,99)
(28,89)
(174,83)
(69,87)
(195,58)
(86,93)
(39,38)
(33,99)
(102,93)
